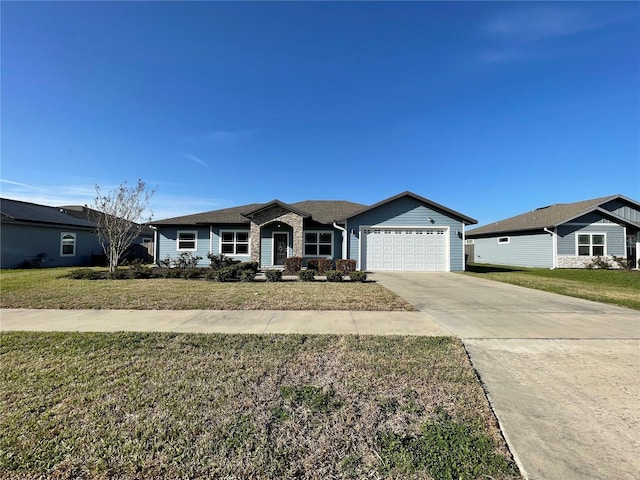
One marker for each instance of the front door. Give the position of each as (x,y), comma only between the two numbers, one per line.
(280,241)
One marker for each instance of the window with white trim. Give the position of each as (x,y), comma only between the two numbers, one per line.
(187,240)
(234,242)
(504,240)
(318,244)
(591,244)
(67,244)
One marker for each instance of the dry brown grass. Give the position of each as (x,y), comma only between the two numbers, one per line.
(133,405)
(48,288)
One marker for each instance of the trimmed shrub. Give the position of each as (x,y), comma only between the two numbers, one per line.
(292,265)
(306,275)
(357,276)
(253,266)
(312,264)
(168,272)
(333,275)
(117,275)
(186,260)
(624,263)
(599,262)
(246,275)
(138,269)
(345,265)
(84,274)
(193,272)
(324,264)
(218,261)
(273,275)
(226,274)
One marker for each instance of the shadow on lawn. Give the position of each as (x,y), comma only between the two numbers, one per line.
(480,268)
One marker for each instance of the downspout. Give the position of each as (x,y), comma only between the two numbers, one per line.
(344,239)
(155,244)
(554,242)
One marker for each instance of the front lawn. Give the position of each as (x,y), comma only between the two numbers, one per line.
(619,287)
(161,405)
(51,288)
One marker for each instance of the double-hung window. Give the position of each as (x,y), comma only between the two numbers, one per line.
(591,244)
(187,240)
(234,242)
(67,244)
(318,244)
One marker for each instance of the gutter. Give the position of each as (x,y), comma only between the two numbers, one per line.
(155,243)
(554,236)
(344,239)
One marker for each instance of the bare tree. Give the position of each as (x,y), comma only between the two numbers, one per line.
(120,217)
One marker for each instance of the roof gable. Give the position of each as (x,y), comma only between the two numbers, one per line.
(550,216)
(425,201)
(275,203)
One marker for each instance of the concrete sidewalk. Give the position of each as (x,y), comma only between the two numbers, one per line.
(222,321)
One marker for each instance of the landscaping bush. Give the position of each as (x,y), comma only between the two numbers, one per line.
(253,266)
(306,275)
(166,263)
(273,275)
(292,265)
(357,276)
(192,272)
(324,264)
(346,266)
(599,262)
(218,261)
(167,272)
(312,264)
(186,260)
(246,275)
(624,263)
(226,274)
(333,275)
(138,269)
(117,275)
(84,274)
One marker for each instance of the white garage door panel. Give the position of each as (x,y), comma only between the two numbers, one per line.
(419,249)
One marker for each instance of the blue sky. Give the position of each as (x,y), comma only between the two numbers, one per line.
(491,109)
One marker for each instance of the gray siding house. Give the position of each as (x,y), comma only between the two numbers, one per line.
(566,235)
(37,235)
(404,232)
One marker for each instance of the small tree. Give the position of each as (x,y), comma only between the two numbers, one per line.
(120,217)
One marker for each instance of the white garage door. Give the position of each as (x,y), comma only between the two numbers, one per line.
(419,249)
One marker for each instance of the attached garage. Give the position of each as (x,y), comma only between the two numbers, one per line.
(398,248)
(406,232)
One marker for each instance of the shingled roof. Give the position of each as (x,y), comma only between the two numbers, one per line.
(544,217)
(322,211)
(19,212)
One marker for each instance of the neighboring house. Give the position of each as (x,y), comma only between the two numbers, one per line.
(404,232)
(565,235)
(141,246)
(37,235)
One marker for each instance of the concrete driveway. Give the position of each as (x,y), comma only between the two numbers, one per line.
(562,374)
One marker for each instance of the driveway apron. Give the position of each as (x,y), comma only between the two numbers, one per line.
(562,374)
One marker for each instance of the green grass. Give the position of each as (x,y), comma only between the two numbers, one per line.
(618,287)
(51,288)
(159,405)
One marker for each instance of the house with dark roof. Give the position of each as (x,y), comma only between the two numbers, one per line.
(37,235)
(404,232)
(563,235)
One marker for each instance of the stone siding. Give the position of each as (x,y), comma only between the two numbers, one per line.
(281,215)
(580,261)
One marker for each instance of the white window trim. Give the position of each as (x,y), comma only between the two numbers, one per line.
(591,234)
(508,240)
(75,244)
(304,243)
(235,242)
(195,234)
(273,245)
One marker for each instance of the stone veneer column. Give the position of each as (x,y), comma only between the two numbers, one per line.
(272,215)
